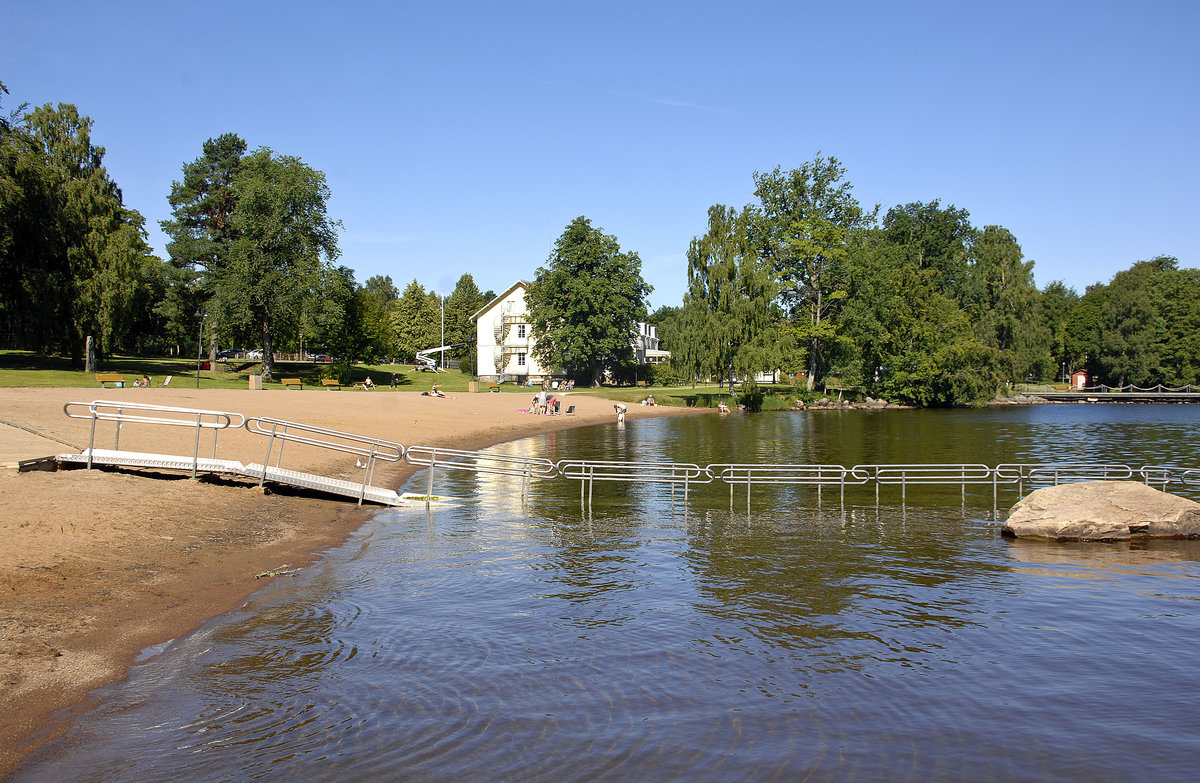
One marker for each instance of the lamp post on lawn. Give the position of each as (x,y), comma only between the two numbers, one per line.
(443,342)
(200,344)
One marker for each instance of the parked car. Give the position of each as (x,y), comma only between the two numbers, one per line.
(256,355)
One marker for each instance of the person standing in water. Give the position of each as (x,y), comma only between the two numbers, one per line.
(620,409)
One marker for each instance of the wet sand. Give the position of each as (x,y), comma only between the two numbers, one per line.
(96,566)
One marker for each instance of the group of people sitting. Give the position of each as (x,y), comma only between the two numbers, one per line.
(545,404)
(649,401)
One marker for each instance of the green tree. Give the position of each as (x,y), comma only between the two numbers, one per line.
(335,318)
(910,340)
(285,240)
(1129,328)
(463,302)
(804,224)
(201,229)
(584,303)
(1003,305)
(1081,337)
(935,238)
(1176,296)
(728,326)
(77,256)
(416,320)
(203,204)
(1054,309)
(375,302)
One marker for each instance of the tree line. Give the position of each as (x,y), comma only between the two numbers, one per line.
(252,258)
(920,306)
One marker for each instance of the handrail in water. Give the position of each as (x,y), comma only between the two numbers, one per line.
(587,472)
(480,462)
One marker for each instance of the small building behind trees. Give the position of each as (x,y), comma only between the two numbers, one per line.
(507,344)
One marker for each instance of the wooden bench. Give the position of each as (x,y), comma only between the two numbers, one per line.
(332,383)
(493,387)
(117,380)
(641,383)
(290,382)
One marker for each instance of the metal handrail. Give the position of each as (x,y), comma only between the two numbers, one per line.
(1055,473)
(374,449)
(479,461)
(1190,477)
(641,472)
(748,475)
(820,475)
(528,468)
(588,472)
(114,411)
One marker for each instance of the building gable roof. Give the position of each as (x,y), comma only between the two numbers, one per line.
(500,298)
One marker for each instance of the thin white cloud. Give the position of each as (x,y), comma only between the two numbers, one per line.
(688,105)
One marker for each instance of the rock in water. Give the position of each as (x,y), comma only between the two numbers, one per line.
(1102,511)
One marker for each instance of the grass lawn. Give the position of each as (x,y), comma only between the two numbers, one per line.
(24,368)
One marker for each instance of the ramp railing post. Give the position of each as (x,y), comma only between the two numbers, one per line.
(196,447)
(267,459)
(429,485)
(92,438)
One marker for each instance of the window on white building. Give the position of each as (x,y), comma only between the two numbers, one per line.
(520,331)
(521,359)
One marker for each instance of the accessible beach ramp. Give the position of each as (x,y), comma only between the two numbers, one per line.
(367,451)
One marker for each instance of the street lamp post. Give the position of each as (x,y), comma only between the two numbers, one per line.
(200,344)
(443,342)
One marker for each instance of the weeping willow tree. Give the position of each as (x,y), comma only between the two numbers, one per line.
(729,325)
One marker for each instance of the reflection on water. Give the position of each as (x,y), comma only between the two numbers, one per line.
(501,640)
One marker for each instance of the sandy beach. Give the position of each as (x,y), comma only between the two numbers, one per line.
(96,566)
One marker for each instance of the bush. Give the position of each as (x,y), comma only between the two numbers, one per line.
(751,397)
(663,375)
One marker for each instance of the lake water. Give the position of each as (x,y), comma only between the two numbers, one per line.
(656,640)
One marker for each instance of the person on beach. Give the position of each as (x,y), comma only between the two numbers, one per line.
(722,407)
(620,409)
(393,380)
(368,384)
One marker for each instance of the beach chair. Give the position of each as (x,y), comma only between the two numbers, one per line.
(570,411)
(167,381)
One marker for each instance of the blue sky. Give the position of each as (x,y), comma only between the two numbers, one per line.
(464,137)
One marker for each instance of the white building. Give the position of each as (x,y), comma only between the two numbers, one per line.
(646,345)
(505,341)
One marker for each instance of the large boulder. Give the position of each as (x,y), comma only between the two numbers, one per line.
(1102,511)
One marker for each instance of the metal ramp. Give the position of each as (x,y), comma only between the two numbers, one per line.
(278,432)
(295,478)
(139,459)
